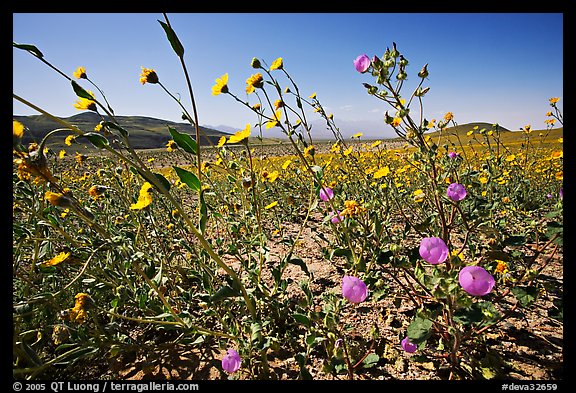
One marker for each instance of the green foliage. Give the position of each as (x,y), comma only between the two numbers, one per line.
(211,258)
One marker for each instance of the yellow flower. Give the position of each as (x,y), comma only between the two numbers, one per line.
(78,313)
(240,135)
(276,64)
(98,127)
(144,198)
(396,122)
(80,158)
(277,117)
(348,151)
(501,267)
(221,85)
(357,135)
(255,81)
(557,154)
(171,145)
(85,104)
(278,104)
(549,113)
(57,199)
(69,139)
(376,144)
(559,175)
(57,259)
(448,116)
(309,151)
(313,96)
(560,140)
(80,73)
(527,129)
(554,100)
(470,133)
(352,208)
(382,172)
(483,179)
(256,107)
(272,176)
(61,154)
(511,157)
(286,164)
(17,129)
(221,141)
(456,253)
(148,75)
(270,206)
(419,196)
(96,190)
(431,123)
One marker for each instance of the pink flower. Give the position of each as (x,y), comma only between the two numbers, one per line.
(408,346)
(453,154)
(354,289)
(231,361)
(476,280)
(433,250)
(326,193)
(456,192)
(336,218)
(362,63)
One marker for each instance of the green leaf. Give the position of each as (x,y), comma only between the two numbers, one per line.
(342,252)
(223,293)
(302,319)
(525,295)
(30,48)
(370,360)
(301,263)
(173,38)
(304,373)
(188,178)
(515,240)
(98,140)
(80,92)
(184,141)
(419,330)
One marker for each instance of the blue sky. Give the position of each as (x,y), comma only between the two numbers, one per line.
(492,67)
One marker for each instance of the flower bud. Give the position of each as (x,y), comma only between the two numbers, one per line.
(255,63)
(403,62)
(421,92)
(424,71)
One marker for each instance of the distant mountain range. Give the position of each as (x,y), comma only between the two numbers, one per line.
(145,132)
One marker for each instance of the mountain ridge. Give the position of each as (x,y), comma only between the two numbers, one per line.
(144,132)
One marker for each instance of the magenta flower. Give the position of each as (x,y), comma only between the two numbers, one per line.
(336,218)
(354,289)
(231,362)
(453,154)
(433,250)
(456,192)
(408,346)
(476,280)
(561,193)
(362,63)
(326,193)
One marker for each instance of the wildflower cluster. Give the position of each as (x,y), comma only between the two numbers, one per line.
(430,242)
